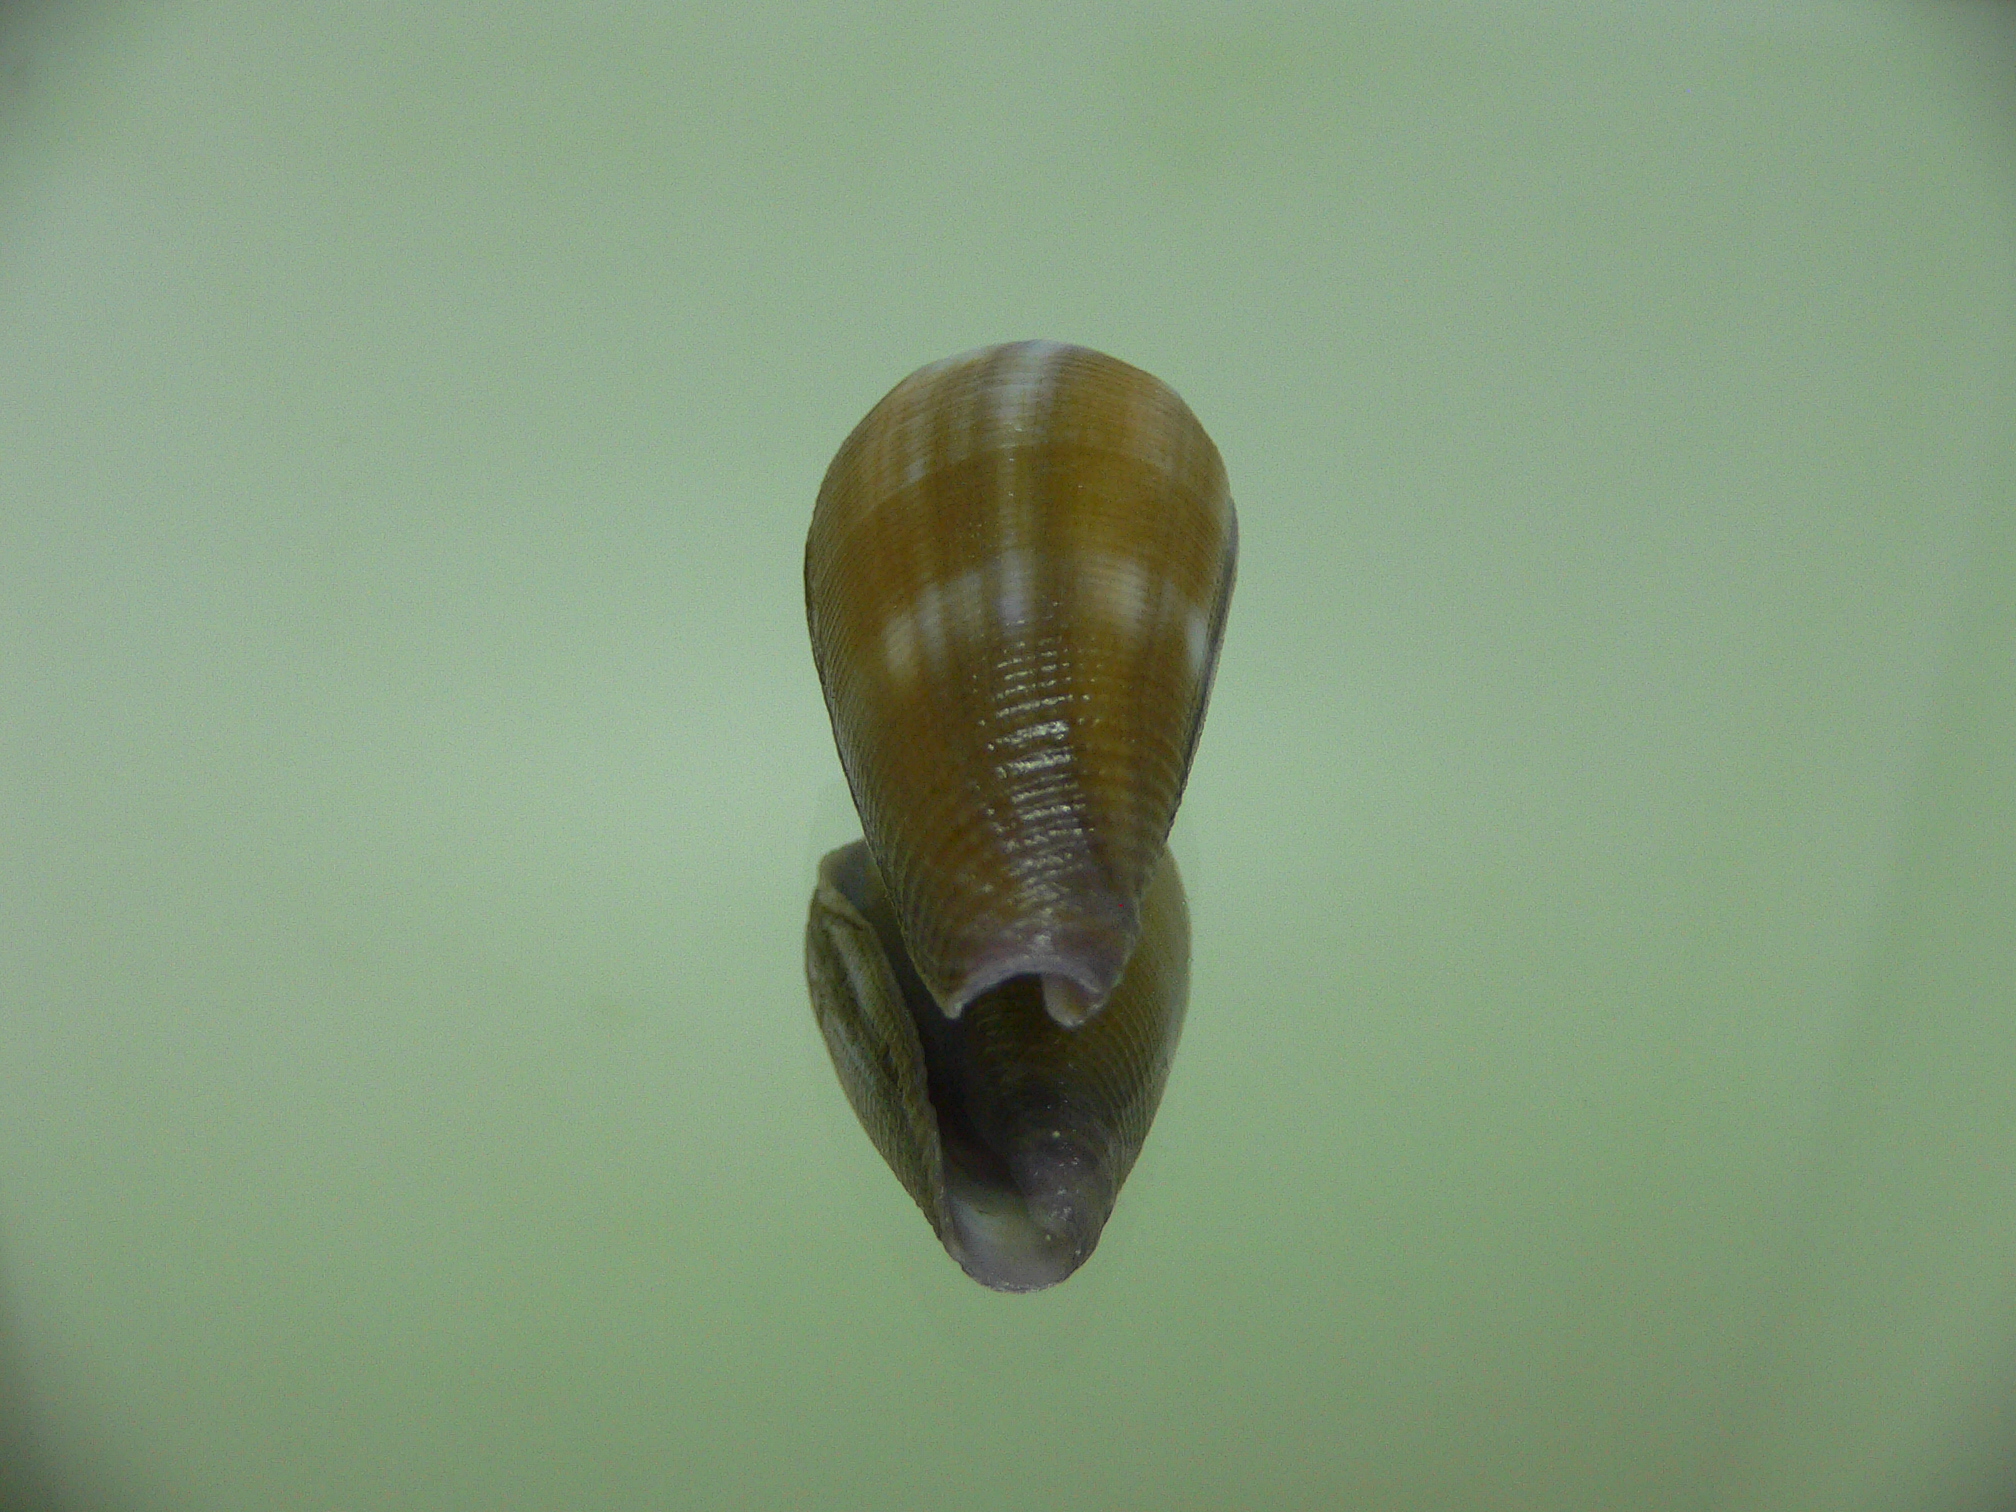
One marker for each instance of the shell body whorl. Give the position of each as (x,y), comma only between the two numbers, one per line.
(1011,1132)
(1016,580)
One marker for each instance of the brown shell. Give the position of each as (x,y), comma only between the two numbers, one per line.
(1012,1133)
(1016,581)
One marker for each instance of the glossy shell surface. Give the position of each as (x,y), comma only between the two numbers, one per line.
(1016,581)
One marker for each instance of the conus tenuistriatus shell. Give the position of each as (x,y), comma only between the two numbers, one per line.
(1016,581)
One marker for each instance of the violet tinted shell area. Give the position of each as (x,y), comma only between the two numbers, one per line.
(1011,1132)
(1016,582)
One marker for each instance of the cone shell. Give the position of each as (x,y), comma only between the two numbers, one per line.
(1016,581)
(1011,1132)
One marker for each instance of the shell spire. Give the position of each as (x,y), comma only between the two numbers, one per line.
(1016,581)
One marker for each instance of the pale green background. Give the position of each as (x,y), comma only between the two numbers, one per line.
(1600,1089)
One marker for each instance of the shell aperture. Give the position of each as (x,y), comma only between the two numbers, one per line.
(1012,1132)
